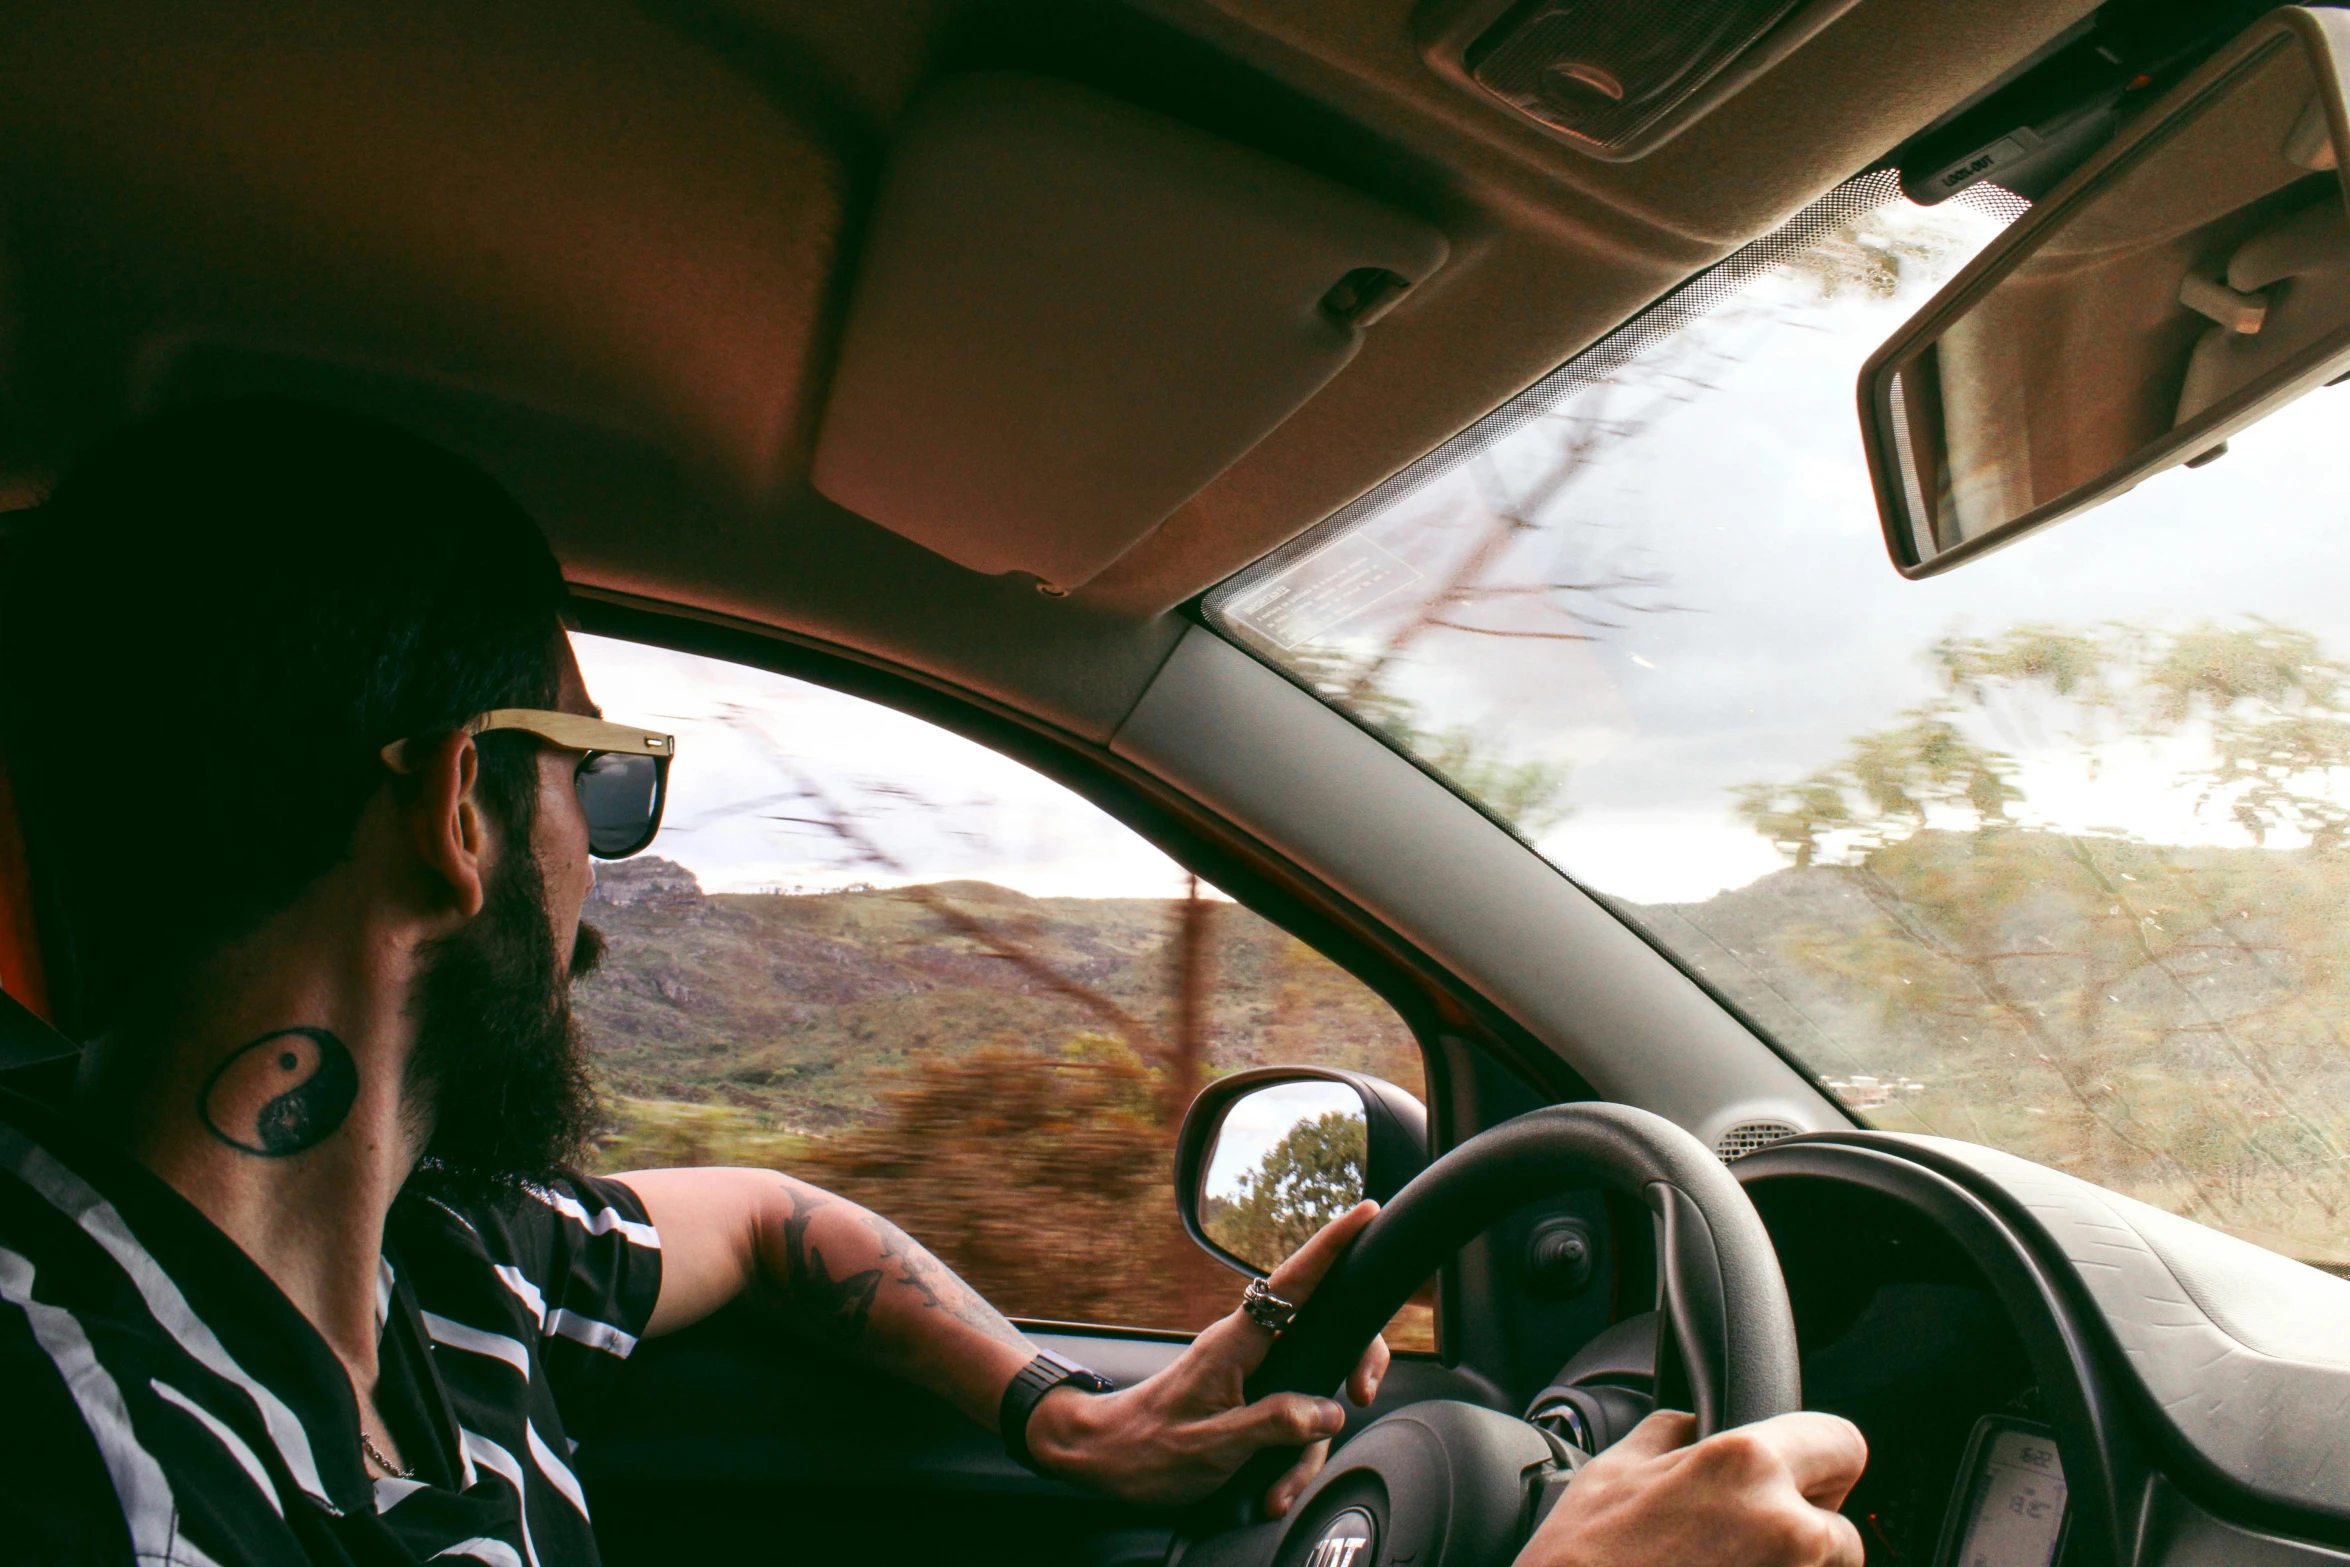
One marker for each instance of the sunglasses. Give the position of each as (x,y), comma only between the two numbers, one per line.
(622,782)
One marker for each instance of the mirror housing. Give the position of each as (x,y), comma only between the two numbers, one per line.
(1395,1138)
(2190,279)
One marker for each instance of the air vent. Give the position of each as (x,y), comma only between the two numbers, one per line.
(1747,1136)
(1614,79)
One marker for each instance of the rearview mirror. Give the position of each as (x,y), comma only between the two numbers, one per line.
(2192,278)
(1267,1157)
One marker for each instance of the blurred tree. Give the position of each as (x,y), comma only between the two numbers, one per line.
(2156,1018)
(1876,252)
(1530,793)
(1042,1176)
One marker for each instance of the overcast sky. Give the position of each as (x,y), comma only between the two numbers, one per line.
(764,761)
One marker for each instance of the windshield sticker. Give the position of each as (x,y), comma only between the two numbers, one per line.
(1325,589)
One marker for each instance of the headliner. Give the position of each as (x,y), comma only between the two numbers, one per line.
(604,247)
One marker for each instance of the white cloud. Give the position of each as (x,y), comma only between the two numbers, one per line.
(765,761)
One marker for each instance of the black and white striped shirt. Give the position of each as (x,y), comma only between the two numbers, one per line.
(161,1402)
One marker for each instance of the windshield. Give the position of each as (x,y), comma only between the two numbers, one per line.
(2049,853)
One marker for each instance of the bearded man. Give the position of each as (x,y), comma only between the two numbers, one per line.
(294,1263)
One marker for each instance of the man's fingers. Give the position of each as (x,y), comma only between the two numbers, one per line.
(1845,1548)
(1824,1454)
(1363,1385)
(1661,1433)
(1280,1420)
(1241,1340)
(1295,1279)
(1283,1493)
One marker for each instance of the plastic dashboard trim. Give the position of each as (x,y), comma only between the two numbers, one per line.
(2107,1381)
(2100,1458)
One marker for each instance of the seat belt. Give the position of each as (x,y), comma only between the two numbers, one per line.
(25,1040)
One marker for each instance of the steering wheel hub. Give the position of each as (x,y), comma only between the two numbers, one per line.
(1438,1483)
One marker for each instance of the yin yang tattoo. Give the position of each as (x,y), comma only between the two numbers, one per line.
(283,1094)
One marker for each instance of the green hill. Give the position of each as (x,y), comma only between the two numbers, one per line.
(797,1008)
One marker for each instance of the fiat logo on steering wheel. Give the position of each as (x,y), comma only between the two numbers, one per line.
(1346,1541)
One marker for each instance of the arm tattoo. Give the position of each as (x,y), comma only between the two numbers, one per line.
(961,1301)
(283,1094)
(838,1309)
(835,1308)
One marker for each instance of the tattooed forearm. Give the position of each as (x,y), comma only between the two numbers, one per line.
(917,1271)
(879,1271)
(915,1265)
(283,1094)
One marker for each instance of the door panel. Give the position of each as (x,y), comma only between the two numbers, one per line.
(729,1442)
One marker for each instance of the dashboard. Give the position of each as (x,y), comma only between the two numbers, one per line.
(2049,1373)
(1904,1335)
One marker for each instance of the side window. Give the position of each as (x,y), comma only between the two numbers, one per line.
(895,963)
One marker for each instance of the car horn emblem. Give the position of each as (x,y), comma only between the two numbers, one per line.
(1345,1542)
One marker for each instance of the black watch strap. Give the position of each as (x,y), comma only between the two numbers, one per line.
(1039,1377)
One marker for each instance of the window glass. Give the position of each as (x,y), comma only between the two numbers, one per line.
(2049,853)
(890,961)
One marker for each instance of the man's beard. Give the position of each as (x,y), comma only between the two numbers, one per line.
(499,1063)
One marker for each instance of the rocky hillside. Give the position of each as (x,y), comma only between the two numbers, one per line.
(797,1007)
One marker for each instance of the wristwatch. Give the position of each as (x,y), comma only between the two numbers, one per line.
(1039,1377)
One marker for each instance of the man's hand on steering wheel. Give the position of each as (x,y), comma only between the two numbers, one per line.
(1178,1435)
(1763,1495)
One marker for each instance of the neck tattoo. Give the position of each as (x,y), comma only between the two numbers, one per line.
(282,1094)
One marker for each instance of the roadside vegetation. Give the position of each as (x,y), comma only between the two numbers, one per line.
(1002,1075)
(2165,1019)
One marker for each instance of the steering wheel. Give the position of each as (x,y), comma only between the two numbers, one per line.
(1446,1484)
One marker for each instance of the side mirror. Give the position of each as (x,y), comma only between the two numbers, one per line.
(1269,1156)
(2189,280)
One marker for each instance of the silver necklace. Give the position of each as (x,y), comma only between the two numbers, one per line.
(391,1470)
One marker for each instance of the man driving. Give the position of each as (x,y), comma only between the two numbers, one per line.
(294,1263)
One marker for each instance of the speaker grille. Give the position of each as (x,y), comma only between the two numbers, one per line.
(1747,1136)
(1603,71)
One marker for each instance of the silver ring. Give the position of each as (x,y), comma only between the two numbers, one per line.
(1266,1309)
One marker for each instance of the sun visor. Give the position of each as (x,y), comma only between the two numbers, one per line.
(1072,314)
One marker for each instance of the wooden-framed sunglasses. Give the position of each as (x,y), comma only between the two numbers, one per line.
(622,781)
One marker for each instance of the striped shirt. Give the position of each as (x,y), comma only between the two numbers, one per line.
(161,1402)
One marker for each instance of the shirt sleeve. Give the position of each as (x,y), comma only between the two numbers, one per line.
(589,1250)
(58,1507)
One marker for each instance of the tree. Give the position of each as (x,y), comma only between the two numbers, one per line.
(1889,785)
(2155,1017)
(1042,1176)
(1180,1059)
